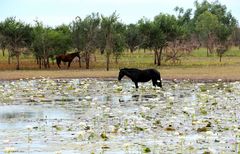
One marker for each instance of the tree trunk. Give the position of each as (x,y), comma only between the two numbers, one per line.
(17,67)
(48,64)
(9,57)
(131,49)
(155,57)
(40,62)
(87,59)
(108,61)
(80,65)
(116,59)
(37,60)
(159,57)
(3,51)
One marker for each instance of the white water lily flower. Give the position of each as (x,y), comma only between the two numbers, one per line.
(144,109)
(126,145)
(88,98)
(212,150)
(107,109)
(182,137)
(209,133)
(171,98)
(111,128)
(100,107)
(93,104)
(29,127)
(121,130)
(58,152)
(82,124)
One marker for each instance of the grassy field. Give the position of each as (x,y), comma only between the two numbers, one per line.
(195,66)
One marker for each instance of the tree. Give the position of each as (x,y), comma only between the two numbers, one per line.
(40,44)
(108,25)
(236,37)
(49,42)
(165,28)
(3,44)
(84,34)
(62,41)
(118,40)
(207,25)
(77,42)
(17,35)
(184,20)
(218,17)
(101,40)
(132,36)
(220,51)
(144,26)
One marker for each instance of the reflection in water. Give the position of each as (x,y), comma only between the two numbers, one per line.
(21,115)
(145,97)
(16,115)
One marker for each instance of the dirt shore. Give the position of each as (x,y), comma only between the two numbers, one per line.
(226,73)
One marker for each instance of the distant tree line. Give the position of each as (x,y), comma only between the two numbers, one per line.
(211,25)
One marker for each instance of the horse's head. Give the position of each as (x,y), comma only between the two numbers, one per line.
(121,74)
(159,84)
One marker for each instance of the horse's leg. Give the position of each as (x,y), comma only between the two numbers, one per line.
(58,63)
(136,85)
(69,63)
(154,82)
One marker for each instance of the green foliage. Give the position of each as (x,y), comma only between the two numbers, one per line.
(17,35)
(132,35)
(110,27)
(48,41)
(84,35)
(145,31)
(216,18)
(146,150)
(211,24)
(207,24)
(168,26)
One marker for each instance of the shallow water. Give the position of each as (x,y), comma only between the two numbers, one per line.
(93,115)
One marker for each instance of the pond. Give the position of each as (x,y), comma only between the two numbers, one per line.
(106,116)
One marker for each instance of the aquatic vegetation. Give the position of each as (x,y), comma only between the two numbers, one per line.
(97,116)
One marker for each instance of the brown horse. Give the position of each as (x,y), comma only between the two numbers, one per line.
(67,58)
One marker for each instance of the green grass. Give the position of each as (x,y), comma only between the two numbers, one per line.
(138,59)
(202,52)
